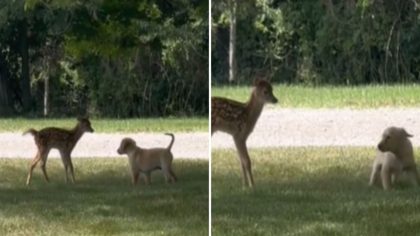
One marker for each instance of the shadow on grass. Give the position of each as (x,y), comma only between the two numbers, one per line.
(103,201)
(321,193)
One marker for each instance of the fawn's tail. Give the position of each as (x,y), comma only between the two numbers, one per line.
(30,131)
(172,141)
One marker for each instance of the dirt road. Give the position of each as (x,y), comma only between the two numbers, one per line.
(276,128)
(325,127)
(187,145)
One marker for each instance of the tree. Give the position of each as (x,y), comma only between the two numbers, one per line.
(232,40)
(105,57)
(320,42)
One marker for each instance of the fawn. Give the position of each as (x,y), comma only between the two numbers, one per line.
(62,139)
(239,119)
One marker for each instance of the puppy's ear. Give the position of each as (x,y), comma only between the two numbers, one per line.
(124,144)
(407,134)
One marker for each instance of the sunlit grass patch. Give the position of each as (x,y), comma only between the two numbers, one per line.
(103,201)
(111,125)
(296,96)
(308,191)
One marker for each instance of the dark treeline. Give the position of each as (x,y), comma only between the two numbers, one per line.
(343,42)
(106,58)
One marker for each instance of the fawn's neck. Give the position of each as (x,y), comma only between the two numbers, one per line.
(77,133)
(253,108)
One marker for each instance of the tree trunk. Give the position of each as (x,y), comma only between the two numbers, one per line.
(5,108)
(5,101)
(232,41)
(25,77)
(330,7)
(46,93)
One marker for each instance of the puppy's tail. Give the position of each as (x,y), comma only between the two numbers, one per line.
(172,141)
(31,131)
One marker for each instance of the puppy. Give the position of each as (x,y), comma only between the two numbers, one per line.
(144,161)
(396,140)
(388,166)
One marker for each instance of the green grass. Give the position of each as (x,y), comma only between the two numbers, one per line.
(333,97)
(111,125)
(103,201)
(309,191)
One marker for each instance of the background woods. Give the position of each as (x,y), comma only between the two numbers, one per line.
(108,58)
(318,42)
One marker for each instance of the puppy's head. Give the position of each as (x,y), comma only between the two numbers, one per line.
(392,137)
(126,145)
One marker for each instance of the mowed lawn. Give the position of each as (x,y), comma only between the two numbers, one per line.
(103,201)
(194,124)
(295,96)
(309,191)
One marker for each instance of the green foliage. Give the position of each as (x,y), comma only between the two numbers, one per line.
(153,125)
(312,42)
(359,97)
(115,59)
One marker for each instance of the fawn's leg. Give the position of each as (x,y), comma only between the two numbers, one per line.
(35,161)
(71,170)
(40,157)
(245,161)
(68,166)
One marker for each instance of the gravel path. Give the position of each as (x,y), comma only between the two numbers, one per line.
(276,128)
(187,145)
(325,127)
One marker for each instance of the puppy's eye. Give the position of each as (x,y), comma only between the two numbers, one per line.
(388,137)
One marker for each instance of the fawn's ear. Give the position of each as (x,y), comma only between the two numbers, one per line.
(257,81)
(82,117)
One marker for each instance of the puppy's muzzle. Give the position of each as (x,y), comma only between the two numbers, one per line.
(381,147)
(274,100)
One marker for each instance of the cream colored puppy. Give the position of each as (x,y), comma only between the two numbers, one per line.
(396,140)
(386,166)
(144,161)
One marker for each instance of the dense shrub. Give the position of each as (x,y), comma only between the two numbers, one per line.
(321,42)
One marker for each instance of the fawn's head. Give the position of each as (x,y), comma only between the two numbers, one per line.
(264,91)
(392,138)
(126,144)
(84,124)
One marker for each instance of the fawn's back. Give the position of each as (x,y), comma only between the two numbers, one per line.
(55,138)
(59,138)
(227,115)
(238,118)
